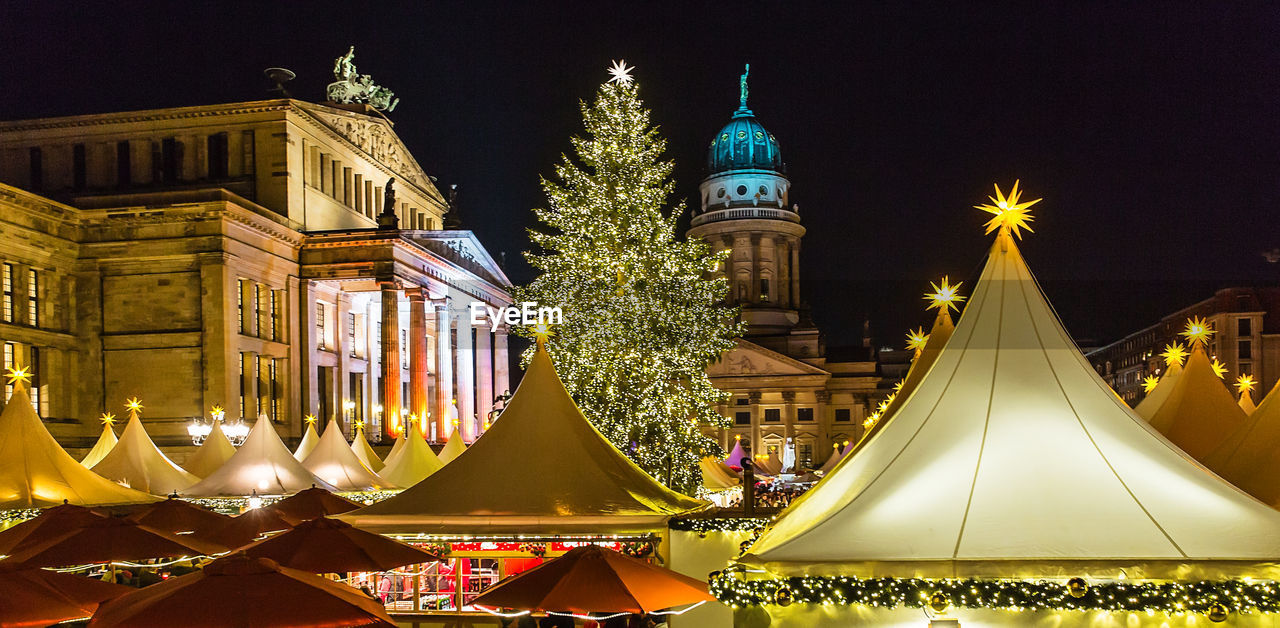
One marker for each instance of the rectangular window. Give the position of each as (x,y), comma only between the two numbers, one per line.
(33,298)
(804,414)
(244,401)
(1244,326)
(764,289)
(1244,350)
(218,157)
(8,364)
(742,418)
(742,401)
(33,364)
(7,272)
(124,167)
(171,157)
(842,415)
(804,455)
(37,168)
(321,336)
(79,171)
(772,415)
(275,315)
(274,386)
(404,349)
(241,319)
(351,334)
(264,310)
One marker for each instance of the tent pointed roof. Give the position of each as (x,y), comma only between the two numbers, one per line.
(38,473)
(101,448)
(716,476)
(212,454)
(333,461)
(453,447)
(263,465)
(837,454)
(1247,458)
(1200,412)
(309,441)
(734,459)
(366,454)
(136,462)
(396,448)
(587,483)
(1246,403)
(412,463)
(1010,457)
(1158,395)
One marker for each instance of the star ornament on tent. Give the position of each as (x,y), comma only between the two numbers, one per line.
(18,375)
(133,404)
(217,413)
(1219,369)
(310,419)
(1245,383)
(541,332)
(107,419)
(1174,353)
(1010,213)
(359,425)
(621,73)
(1198,331)
(1149,383)
(944,295)
(916,340)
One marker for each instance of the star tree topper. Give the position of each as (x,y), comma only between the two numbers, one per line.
(621,72)
(1010,214)
(944,296)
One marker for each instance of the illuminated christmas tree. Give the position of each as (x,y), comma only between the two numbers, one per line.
(643,313)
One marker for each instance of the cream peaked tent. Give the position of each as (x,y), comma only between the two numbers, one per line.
(1158,395)
(1200,412)
(768,465)
(1250,457)
(412,463)
(1246,403)
(716,476)
(396,447)
(366,454)
(215,451)
(452,447)
(1013,459)
(309,441)
(837,454)
(734,459)
(262,465)
(101,448)
(333,461)
(576,482)
(136,462)
(35,472)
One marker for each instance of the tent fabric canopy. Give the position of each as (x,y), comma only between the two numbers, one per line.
(309,441)
(734,459)
(452,447)
(333,461)
(716,476)
(1248,458)
(38,473)
(212,454)
(262,465)
(1156,398)
(412,462)
(495,486)
(101,448)
(136,462)
(366,454)
(1013,451)
(1200,412)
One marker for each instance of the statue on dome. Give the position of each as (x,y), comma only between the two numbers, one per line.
(742,86)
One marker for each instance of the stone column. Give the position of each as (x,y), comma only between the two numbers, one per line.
(754,442)
(465,379)
(788,415)
(390,355)
(501,362)
(795,273)
(484,374)
(419,402)
(444,371)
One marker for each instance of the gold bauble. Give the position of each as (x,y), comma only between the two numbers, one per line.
(939,602)
(1217,613)
(782,597)
(1077,587)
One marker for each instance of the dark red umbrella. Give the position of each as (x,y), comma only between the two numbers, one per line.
(250,525)
(331,546)
(106,540)
(35,597)
(592,579)
(49,523)
(312,503)
(180,517)
(239,591)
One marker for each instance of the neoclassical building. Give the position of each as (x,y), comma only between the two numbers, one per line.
(248,255)
(784,385)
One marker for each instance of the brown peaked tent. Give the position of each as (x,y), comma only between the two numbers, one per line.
(1250,457)
(542,468)
(1200,413)
(36,471)
(1158,395)
(136,462)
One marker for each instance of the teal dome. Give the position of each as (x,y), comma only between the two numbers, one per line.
(743,144)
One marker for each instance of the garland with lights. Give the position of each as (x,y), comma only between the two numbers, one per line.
(718,524)
(1214,598)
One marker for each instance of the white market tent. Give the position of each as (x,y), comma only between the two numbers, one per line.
(1012,458)
(366,454)
(716,476)
(412,463)
(101,448)
(1246,403)
(215,451)
(837,454)
(262,465)
(136,462)
(452,447)
(333,461)
(309,441)
(37,473)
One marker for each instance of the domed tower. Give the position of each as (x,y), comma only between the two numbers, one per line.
(745,208)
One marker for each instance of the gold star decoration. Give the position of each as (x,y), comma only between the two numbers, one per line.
(133,405)
(1174,353)
(107,419)
(916,340)
(1219,369)
(898,386)
(871,421)
(18,375)
(541,332)
(217,413)
(310,419)
(1149,383)
(944,295)
(1010,214)
(1198,331)
(1245,383)
(621,73)
(359,425)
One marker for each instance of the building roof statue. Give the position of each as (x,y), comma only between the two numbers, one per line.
(743,143)
(351,87)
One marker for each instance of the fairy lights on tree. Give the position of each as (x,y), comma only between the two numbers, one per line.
(642,310)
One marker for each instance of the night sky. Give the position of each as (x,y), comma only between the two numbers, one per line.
(1151,130)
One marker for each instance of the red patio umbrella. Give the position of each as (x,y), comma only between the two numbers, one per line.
(50,522)
(178,516)
(241,591)
(106,540)
(592,579)
(311,504)
(331,546)
(35,597)
(249,525)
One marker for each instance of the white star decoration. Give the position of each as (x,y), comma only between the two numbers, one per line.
(621,73)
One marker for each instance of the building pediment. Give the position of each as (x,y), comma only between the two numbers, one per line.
(748,359)
(464,249)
